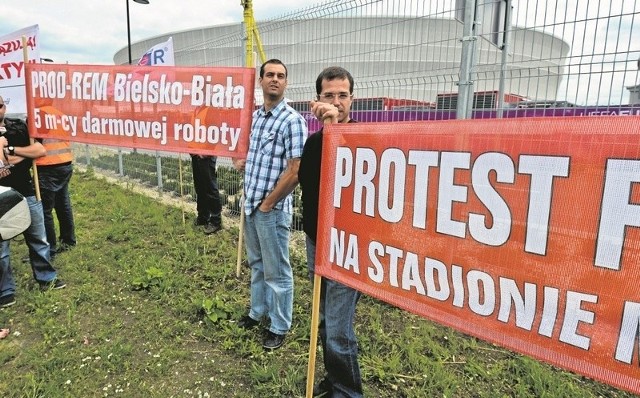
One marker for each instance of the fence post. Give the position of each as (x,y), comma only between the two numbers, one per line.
(120,163)
(88,154)
(505,54)
(159,170)
(465,85)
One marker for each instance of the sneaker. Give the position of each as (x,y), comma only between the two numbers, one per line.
(246,322)
(272,340)
(199,221)
(7,301)
(52,285)
(323,389)
(211,228)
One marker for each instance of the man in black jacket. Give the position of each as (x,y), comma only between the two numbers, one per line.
(334,89)
(18,153)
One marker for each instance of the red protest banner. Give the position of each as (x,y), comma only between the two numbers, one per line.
(520,232)
(176,109)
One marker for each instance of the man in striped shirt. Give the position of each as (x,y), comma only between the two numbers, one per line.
(278,134)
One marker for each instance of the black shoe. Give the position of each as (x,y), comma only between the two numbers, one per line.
(199,221)
(52,285)
(7,301)
(211,228)
(64,247)
(323,389)
(273,340)
(246,322)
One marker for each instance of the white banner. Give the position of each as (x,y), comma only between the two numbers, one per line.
(159,55)
(12,66)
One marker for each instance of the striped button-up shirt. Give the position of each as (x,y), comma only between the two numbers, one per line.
(276,136)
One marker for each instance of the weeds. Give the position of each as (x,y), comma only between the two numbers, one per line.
(150,309)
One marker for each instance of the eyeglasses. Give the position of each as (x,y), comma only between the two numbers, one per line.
(332,96)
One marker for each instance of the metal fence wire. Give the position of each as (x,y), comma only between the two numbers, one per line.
(420,60)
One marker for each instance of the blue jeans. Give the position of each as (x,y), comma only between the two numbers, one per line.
(54,192)
(36,239)
(338,339)
(267,240)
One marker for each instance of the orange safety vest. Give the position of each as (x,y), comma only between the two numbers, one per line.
(58,152)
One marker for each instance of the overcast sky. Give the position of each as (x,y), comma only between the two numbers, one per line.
(92,31)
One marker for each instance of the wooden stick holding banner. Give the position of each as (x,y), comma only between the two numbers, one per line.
(240,234)
(327,118)
(180,182)
(36,183)
(313,343)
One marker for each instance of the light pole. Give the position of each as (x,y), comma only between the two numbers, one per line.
(129,27)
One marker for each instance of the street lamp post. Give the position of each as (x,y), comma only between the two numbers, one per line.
(129,27)
(120,162)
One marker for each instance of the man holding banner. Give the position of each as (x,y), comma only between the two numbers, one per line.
(18,152)
(334,87)
(277,137)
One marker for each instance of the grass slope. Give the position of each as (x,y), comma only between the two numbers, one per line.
(149,310)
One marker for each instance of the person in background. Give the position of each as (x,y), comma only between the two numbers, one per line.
(277,137)
(205,183)
(334,89)
(54,173)
(18,150)
(15,217)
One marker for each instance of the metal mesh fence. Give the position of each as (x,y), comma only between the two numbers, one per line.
(422,60)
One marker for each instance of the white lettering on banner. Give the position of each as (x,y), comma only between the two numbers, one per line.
(203,92)
(488,296)
(348,260)
(200,133)
(449,192)
(68,123)
(89,86)
(574,315)
(132,87)
(543,171)
(617,212)
(422,161)
(498,233)
(126,127)
(129,88)
(48,84)
(628,339)
(364,171)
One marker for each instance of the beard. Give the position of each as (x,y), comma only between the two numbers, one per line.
(273,96)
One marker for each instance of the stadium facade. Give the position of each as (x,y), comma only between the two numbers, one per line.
(414,58)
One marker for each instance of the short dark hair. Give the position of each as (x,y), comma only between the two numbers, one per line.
(276,62)
(332,73)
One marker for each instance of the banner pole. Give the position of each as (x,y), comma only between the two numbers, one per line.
(36,183)
(240,234)
(313,343)
(182,199)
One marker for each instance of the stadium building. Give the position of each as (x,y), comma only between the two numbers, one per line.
(395,57)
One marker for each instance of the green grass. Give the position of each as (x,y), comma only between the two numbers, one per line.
(149,310)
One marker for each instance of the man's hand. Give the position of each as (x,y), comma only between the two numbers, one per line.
(4,171)
(239,164)
(326,113)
